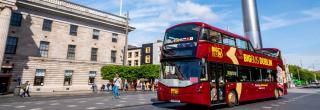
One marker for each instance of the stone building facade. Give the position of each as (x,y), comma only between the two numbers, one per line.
(58,45)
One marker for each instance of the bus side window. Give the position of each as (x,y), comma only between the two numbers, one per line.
(205,34)
(231,75)
(255,74)
(242,44)
(215,37)
(266,75)
(228,40)
(244,74)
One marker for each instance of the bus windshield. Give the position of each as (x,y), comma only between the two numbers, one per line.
(184,33)
(183,70)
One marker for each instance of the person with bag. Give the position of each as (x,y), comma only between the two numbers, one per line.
(116,84)
(25,89)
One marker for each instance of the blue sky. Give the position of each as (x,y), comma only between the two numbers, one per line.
(290,25)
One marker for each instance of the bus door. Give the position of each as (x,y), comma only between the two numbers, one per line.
(217,82)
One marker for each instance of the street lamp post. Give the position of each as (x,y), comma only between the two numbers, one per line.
(126,40)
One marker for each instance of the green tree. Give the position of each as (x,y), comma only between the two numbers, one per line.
(130,72)
(305,75)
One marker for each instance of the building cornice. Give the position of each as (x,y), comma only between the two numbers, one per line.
(8,3)
(76,10)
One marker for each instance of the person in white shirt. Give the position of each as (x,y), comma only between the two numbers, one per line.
(116,84)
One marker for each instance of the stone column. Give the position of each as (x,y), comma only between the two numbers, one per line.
(5,15)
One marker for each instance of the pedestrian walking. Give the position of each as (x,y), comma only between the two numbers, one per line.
(143,86)
(116,84)
(108,86)
(25,89)
(135,85)
(125,85)
(102,87)
(94,87)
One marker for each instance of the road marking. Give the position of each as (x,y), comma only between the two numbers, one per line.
(119,105)
(286,101)
(19,106)
(275,105)
(267,107)
(100,103)
(122,101)
(91,108)
(72,105)
(282,103)
(36,109)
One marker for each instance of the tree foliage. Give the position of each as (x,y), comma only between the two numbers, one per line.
(130,72)
(305,75)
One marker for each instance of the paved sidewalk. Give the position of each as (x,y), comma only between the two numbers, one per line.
(82,103)
(71,93)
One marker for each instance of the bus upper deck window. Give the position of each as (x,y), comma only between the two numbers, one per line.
(215,37)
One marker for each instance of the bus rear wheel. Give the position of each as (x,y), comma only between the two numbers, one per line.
(232,99)
(276,93)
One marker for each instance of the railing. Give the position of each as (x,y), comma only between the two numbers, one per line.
(82,8)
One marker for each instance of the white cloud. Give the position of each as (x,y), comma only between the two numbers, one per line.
(196,10)
(282,20)
(152,17)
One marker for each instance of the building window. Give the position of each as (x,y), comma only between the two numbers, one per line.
(15,19)
(92,76)
(114,37)
(136,62)
(130,55)
(67,77)
(94,54)
(71,52)
(136,54)
(11,45)
(129,62)
(147,58)
(44,48)
(95,34)
(47,24)
(73,30)
(148,50)
(113,56)
(39,77)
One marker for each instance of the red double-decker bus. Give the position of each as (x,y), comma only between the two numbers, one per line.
(202,64)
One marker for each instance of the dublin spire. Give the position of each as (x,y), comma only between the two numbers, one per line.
(251,23)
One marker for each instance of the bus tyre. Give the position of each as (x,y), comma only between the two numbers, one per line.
(276,93)
(232,99)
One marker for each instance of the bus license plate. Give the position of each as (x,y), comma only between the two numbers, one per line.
(173,100)
(174,91)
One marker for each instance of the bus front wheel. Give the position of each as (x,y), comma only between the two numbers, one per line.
(276,93)
(232,99)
